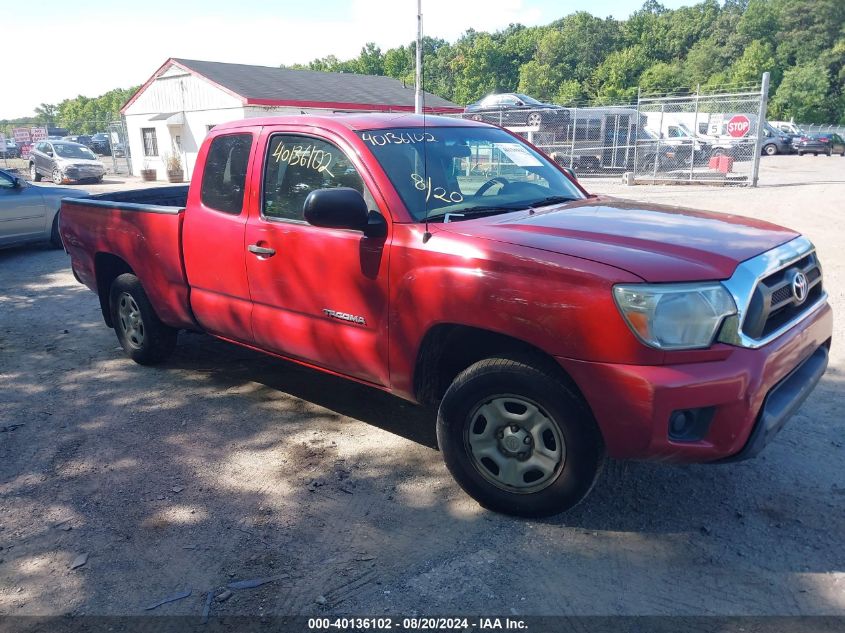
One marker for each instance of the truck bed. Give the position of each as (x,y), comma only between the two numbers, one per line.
(138,231)
(156,199)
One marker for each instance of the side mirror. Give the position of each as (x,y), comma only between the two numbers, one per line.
(17,182)
(569,172)
(336,208)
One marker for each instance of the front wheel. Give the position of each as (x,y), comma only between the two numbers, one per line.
(534,119)
(33,173)
(57,176)
(55,238)
(517,440)
(143,336)
(770,150)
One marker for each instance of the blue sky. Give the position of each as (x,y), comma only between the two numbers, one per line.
(120,45)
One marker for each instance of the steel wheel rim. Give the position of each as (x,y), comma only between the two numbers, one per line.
(130,319)
(534,119)
(57,177)
(514,444)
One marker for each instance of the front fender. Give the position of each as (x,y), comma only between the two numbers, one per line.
(560,304)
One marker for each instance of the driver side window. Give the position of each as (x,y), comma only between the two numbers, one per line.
(297,165)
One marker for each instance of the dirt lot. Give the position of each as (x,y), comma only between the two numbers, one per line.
(224,465)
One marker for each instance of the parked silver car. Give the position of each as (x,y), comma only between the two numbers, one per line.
(30,213)
(64,161)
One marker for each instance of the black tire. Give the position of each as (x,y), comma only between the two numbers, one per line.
(33,173)
(800,153)
(55,238)
(512,378)
(143,336)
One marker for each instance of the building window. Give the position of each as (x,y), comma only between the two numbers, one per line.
(148,134)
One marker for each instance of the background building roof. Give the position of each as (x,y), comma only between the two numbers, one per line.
(269,86)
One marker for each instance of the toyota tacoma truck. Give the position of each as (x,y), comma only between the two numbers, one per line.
(454,265)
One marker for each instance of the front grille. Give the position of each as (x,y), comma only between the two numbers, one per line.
(773,303)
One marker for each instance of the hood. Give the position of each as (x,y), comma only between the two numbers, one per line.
(86,162)
(655,242)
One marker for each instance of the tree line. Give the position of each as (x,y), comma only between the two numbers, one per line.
(582,58)
(81,115)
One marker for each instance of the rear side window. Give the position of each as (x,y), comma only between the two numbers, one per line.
(224,177)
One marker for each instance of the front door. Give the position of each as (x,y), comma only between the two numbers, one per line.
(319,295)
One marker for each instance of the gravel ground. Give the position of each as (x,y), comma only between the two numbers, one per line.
(122,485)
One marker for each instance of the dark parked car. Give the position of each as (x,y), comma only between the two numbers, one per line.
(776,142)
(514,109)
(101,144)
(28,213)
(82,139)
(63,161)
(816,144)
(10,149)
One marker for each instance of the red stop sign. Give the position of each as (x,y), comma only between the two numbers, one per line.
(739,126)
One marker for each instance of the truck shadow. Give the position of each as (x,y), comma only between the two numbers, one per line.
(227,364)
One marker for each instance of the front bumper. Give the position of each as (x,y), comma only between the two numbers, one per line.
(752,393)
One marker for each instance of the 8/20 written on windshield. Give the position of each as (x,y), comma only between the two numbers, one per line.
(438,193)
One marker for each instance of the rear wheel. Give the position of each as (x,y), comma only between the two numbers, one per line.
(33,173)
(517,440)
(143,336)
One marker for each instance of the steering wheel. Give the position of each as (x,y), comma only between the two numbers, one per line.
(497,180)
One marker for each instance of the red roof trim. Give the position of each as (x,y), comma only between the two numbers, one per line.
(342,105)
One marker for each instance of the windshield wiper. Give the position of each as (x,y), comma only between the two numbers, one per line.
(477,210)
(550,200)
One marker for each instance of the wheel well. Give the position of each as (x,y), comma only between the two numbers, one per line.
(108,267)
(448,349)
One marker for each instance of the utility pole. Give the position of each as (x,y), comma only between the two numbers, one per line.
(418,98)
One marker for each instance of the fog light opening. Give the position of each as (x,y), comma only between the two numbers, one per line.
(690,425)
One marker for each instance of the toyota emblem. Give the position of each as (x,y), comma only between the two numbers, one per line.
(799,287)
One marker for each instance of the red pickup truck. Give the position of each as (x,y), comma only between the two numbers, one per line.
(453,264)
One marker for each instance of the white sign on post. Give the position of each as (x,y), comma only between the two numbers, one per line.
(38,134)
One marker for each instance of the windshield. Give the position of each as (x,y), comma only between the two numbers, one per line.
(466,170)
(71,150)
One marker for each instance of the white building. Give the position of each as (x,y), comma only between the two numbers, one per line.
(174,110)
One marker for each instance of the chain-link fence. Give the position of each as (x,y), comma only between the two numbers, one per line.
(699,137)
(110,145)
(816,128)
(691,137)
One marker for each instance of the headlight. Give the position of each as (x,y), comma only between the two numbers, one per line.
(674,316)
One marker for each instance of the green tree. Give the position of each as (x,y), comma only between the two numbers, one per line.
(663,77)
(803,95)
(759,57)
(370,61)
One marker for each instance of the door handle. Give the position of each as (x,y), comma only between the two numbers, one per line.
(261,250)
